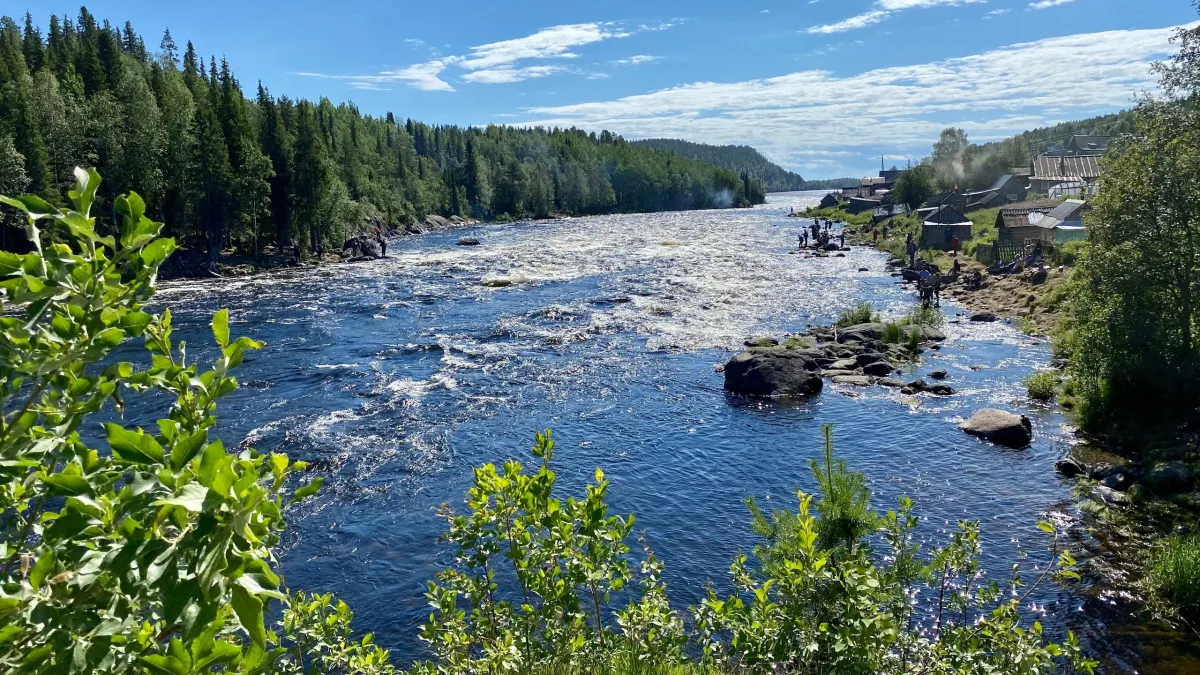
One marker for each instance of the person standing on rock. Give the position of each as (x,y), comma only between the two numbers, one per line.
(875,236)
(911,247)
(382,242)
(843,237)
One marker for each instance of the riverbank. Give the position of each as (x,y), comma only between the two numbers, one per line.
(1136,486)
(187,263)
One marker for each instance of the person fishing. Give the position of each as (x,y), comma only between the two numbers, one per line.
(382,242)
(911,247)
(875,235)
(843,238)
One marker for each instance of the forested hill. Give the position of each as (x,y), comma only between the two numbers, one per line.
(745,160)
(217,163)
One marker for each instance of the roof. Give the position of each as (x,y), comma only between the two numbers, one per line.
(1018,215)
(889,211)
(1021,172)
(1070,210)
(946,215)
(981,200)
(1002,181)
(1064,167)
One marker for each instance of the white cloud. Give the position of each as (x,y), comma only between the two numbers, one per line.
(1046,4)
(996,12)
(893,110)
(423,76)
(500,62)
(882,9)
(635,60)
(506,74)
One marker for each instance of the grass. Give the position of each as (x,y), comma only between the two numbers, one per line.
(837,214)
(1173,575)
(893,333)
(799,342)
(860,313)
(1042,386)
(1028,327)
(924,314)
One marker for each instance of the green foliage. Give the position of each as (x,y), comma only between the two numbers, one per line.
(915,186)
(1042,386)
(1068,254)
(924,314)
(893,333)
(152,555)
(1133,301)
(529,591)
(860,313)
(1173,576)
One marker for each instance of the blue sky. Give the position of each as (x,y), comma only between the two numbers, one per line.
(823,87)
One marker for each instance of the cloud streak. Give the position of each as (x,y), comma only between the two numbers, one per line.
(502,62)
(1046,4)
(882,9)
(893,109)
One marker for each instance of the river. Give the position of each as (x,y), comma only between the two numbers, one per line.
(395,377)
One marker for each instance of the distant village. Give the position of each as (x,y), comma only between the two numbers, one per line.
(1042,202)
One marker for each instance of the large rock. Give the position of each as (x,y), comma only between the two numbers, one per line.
(435,222)
(1000,427)
(985,317)
(863,332)
(853,380)
(939,374)
(772,371)
(941,390)
(1110,496)
(844,364)
(1069,467)
(869,357)
(363,246)
(1170,478)
(879,369)
(468,241)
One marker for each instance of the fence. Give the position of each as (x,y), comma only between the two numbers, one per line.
(1009,251)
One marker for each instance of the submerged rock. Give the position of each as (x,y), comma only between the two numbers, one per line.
(985,317)
(939,374)
(468,241)
(773,371)
(941,390)
(1000,427)
(854,380)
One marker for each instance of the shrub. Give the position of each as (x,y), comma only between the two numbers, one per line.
(1042,386)
(924,314)
(860,313)
(893,333)
(529,590)
(1067,254)
(153,555)
(1173,576)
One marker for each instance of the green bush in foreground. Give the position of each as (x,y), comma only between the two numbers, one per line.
(1173,576)
(155,554)
(1042,386)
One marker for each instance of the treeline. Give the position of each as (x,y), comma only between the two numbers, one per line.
(229,170)
(956,161)
(746,161)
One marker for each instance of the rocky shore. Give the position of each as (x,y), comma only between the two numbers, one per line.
(193,263)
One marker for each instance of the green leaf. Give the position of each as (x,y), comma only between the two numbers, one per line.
(135,323)
(33,205)
(308,490)
(87,182)
(64,484)
(112,337)
(1046,526)
(249,610)
(220,327)
(191,497)
(186,448)
(42,569)
(157,251)
(132,446)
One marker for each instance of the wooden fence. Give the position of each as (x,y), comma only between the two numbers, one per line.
(1007,251)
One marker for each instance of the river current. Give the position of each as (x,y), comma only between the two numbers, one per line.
(396,377)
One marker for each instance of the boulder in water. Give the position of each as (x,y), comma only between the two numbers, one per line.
(853,380)
(941,390)
(772,371)
(363,246)
(984,317)
(1000,427)
(939,374)
(1069,467)
(879,369)
(468,241)
(1110,496)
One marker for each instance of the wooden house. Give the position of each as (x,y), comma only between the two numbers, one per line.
(829,201)
(1018,222)
(941,227)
